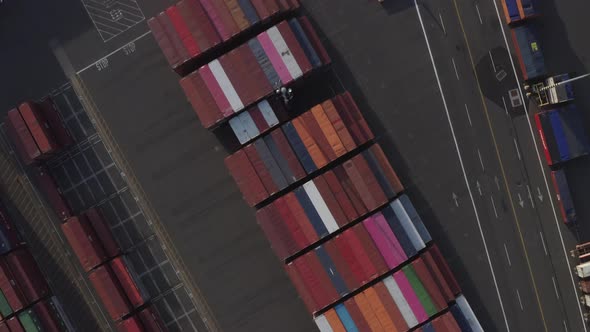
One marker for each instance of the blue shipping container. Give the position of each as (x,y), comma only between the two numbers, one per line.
(331,270)
(345,318)
(301,37)
(528,51)
(564,198)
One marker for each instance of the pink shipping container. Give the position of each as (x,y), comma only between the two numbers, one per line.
(216,91)
(410,296)
(275,57)
(383,242)
(25,270)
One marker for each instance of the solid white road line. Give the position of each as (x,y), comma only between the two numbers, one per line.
(543,243)
(492,59)
(442,23)
(557,224)
(519,300)
(555,287)
(494,206)
(530,196)
(507,256)
(517,150)
(468,116)
(505,107)
(462,166)
(455,66)
(480,160)
(478,14)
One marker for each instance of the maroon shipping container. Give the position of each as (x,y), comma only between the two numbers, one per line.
(288,153)
(313,128)
(330,200)
(438,277)
(15,325)
(9,231)
(233,67)
(208,36)
(302,289)
(258,119)
(151,321)
(10,288)
(260,168)
(246,178)
(386,167)
(350,191)
(265,8)
(164,42)
(131,324)
(350,123)
(301,217)
(338,191)
(56,125)
(38,127)
(370,249)
(125,275)
(201,99)
(346,251)
(168,28)
(221,18)
(294,47)
(25,270)
(314,40)
(110,292)
(445,269)
(360,186)
(4,327)
(369,179)
(253,73)
(182,31)
(338,124)
(103,232)
(84,242)
(47,317)
(344,270)
(390,306)
(316,280)
(21,137)
(52,193)
(356,114)
(286,216)
(356,315)
(429,283)
(276,232)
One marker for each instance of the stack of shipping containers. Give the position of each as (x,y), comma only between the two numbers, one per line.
(26,303)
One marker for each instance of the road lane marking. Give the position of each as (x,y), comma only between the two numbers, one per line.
(455,66)
(504,177)
(497,182)
(532,132)
(555,287)
(494,205)
(543,243)
(540,195)
(478,186)
(478,14)
(468,116)
(480,160)
(530,196)
(462,167)
(565,325)
(517,150)
(505,107)
(519,300)
(442,23)
(455,198)
(507,256)
(491,58)
(520,201)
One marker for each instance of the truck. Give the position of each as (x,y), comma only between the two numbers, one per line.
(554,90)
(583,270)
(564,198)
(528,52)
(519,10)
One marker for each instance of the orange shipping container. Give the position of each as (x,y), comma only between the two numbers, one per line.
(313,128)
(394,313)
(334,321)
(365,308)
(328,130)
(237,14)
(379,310)
(338,124)
(314,150)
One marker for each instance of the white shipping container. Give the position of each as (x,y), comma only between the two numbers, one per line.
(415,217)
(239,130)
(226,86)
(320,206)
(468,313)
(322,322)
(268,114)
(583,270)
(249,124)
(407,224)
(400,301)
(285,52)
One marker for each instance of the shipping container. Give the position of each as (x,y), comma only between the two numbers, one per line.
(300,217)
(164,41)
(408,224)
(341,265)
(370,249)
(270,164)
(313,148)
(129,281)
(438,277)
(350,190)
(294,47)
(445,269)
(9,236)
(346,319)
(30,321)
(314,40)
(4,327)
(410,295)
(14,324)
(246,178)
(311,212)
(390,306)
(151,321)
(199,24)
(420,290)
(330,200)
(310,300)
(299,147)
(54,197)
(356,314)
(244,127)
(312,127)
(305,43)
(320,206)
(334,320)
(131,324)
(84,242)
(221,18)
(110,292)
(249,11)
(399,231)
(237,14)
(528,52)
(274,57)
(38,127)
(334,117)
(5,309)
(518,10)
(103,232)
(401,302)
(323,325)
(346,258)
(265,63)
(283,212)
(285,156)
(182,31)
(56,125)
(331,270)
(415,217)
(564,199)
(27,274)
(21,137)
(364,306)
(258,119)
(276,232)
(265,8)
(283,49)
(385,247)
(201,99)
(468,314)
(11,289)
(261,171)
(429,284)
(379,197)
(47,317)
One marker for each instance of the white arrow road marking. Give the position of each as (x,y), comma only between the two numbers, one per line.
(540,196)
(520,201)
(455,198)
(478,186)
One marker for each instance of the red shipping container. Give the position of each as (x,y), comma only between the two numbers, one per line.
(201,99)
(370,180)
(350,191)
(302,289)
(110,292)
(288,153)
(360,186)
(314,40)
(131,324)
(313,261)
(10,288)
(103,232)
(265,8)
(22,137)
(181,28)
(342,266)
(438,277)
(315,280)
(276,232)
(164,41)
(340,195)
(246,178)
(151,321)
(221,18)
(330,201)
(360,254)
(313,128)
(38,127)
(252,73)
(15,325)
(370,249)
(27,274)
(125,275)
(445,269)
(346,251)
(338,124)
(258,119)
(288,219)
(294,46)
(56,125)
(391,307)
(52,193)
(201,29)
(300,217)
(386,167)
(4,327)
(84,242)
(261,170)
(429,284)
(168,28)
(47,317)
(349,122)
(356,315)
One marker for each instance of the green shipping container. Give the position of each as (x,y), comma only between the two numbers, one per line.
(420,290)
(5,308)
(29,321)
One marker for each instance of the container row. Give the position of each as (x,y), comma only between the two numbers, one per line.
(258,119)
(403,300)
(459,318)
(254,70)
(190,28)
(36,130)
(562,134)
(301,147)
(146,320)
(519,10)
(43,316)
(564,197)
